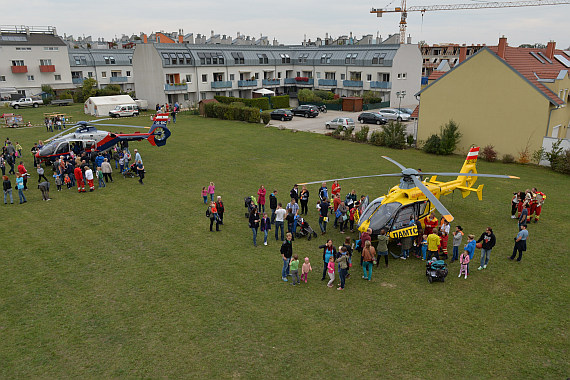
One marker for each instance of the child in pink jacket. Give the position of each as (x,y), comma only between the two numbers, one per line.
(305,269)
(463,260)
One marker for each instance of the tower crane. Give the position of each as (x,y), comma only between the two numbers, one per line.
(403,9)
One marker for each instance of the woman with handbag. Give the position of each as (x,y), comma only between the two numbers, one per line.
(368,258)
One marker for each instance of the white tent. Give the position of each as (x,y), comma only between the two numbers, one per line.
(264,91)
(101,105)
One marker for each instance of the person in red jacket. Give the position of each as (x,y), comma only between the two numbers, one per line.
(79,179)
(430,222)
(24,174)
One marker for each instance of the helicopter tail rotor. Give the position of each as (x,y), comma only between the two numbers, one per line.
(159,132)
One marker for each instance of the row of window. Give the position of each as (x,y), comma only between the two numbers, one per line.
(109,60)
(177,58)
(382,77)
(20,62)
(114,74)
(30,77)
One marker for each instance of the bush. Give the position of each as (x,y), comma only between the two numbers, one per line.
(362,135)
(306,95)
(377,138)
(432,144)
(371,97)
(230,112)
(265,117)
(450,137)
(489,153)
(280,101)
(524,157)
(259,103)
(238,104)
(410,140)
(562,163)
(508,159)
(555,152)
(394,135)
(323,95)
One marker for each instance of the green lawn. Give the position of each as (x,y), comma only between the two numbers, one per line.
(128,281)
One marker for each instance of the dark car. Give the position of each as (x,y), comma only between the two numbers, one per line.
(282,115)
(371,118)
(306,110)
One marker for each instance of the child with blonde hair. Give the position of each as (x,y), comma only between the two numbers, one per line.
(305,269)
(464,261)
(294,267)
(330,270)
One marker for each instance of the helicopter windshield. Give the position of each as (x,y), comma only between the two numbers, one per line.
(49,149)
(379,214)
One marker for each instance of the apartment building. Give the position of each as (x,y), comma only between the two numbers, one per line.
(186,73)
(106,66)
(32,57)
(454,54)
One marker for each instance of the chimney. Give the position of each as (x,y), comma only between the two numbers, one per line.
(145,38)
(502,47)
(180,39)
(550,49)
(462,53)
(211,33)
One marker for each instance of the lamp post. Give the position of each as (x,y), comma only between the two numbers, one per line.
(400,95)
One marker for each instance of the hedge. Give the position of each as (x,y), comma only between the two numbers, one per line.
(259,103)
(280,101)
(231,112)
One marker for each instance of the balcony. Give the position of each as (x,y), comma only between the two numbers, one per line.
(352,83)
(289,81)
(247,83)
(327,82)
(77,81)
(382,85)
(308,82)
(222,84)
(118,79)
(19,69)
(175,87)
(47,68)
(271,82)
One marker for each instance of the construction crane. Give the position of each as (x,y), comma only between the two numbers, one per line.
(403,9)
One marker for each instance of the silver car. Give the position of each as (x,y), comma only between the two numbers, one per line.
(345,122)
(394,114)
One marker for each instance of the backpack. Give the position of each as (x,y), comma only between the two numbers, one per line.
(208,212)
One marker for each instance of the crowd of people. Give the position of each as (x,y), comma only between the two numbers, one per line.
(79,168)
(54,123)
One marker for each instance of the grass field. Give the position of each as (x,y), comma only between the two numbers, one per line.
(127,282)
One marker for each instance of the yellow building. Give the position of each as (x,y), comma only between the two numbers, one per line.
(503,96)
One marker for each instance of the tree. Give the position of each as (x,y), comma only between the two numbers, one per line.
(533,46)
(87,89)
(48,89)
(450,137)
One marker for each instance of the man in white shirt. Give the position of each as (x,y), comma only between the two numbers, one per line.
(279,218)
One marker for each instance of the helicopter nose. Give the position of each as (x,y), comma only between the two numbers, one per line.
(364,226)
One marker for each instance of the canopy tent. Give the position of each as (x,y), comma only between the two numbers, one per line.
(264,91)
(101,105)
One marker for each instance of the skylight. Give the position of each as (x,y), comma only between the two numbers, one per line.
(562,59)
(537,57)
(545,57)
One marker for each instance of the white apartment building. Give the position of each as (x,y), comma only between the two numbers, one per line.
(106,66)
(185,73)
(31,57)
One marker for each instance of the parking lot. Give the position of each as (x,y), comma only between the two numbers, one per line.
(317,124)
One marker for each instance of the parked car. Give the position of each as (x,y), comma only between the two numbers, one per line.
(282,115)
(306,110)
(345,122)
(372,118)
(409,111)
(26,102)
(125,110)
(394,114)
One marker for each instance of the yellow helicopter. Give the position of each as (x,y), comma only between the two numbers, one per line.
(414,199)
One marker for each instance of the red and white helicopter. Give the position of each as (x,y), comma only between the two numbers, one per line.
(88,138)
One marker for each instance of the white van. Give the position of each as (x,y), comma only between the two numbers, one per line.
(124,110)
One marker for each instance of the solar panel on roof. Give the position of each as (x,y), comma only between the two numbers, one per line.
(14,38)
(562,59)
(545,57)
(537,57)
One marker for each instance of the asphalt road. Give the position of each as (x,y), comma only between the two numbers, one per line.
(317,124)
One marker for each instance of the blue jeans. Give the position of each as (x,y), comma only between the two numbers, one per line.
(285,270)
(265,232)
(367,269)
(101,182)
(342,274)
(254,235)
(205,199)
(279,225)
(406,253)
(455,253)
(262,208)
(212,197)
(8,192)
(22,196)
(273,215)
(322,224)
(485,256)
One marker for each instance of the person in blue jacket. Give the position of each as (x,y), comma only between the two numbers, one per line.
(470,248)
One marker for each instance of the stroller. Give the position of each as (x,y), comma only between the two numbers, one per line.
(249,204)
(305,229)
(131,172)
(436,270)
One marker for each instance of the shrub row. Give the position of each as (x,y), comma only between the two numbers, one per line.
(231,112)
(280,101)
(393,135)
(259,103)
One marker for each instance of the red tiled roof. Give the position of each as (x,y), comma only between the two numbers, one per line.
(416,112)
(435,75)
(526,65)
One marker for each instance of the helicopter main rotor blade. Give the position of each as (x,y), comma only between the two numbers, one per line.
(438,205)
(59,134)
(362,176)
(122,126)
(394,162)
(472,175)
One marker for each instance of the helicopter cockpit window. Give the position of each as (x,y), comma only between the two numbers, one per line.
(380,215)
(423,210)
(403,218)
(89,145)
(48,149)
(62,148)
